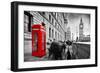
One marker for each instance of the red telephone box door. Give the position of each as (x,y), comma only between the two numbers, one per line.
(38,41)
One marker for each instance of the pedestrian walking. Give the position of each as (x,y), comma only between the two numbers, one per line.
(68,55)
(63,49)
(69,50)
(55,50)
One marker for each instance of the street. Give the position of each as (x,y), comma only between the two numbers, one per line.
(82,51)
(79,51)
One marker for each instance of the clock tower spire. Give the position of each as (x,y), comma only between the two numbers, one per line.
(81,30)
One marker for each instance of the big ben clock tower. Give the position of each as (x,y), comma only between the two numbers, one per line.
(81,30)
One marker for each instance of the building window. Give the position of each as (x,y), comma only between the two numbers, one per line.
(58,27)
(52,33)
(55,24)
(53,13)
(56,16)
(49,32)
(55,35)
(26,22)
(50,18)
(58,36)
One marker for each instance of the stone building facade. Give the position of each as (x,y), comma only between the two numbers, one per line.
(55,23)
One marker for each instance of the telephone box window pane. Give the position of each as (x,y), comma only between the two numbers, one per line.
(35,42)
(43,46)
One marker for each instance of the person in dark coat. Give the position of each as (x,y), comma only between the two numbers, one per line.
(49,51)
(68,55)
(55,48)
(68,43)
(63,47)
(60,50)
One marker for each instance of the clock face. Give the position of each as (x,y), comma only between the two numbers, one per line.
(81,26)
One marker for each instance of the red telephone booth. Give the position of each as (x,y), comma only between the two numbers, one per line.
(38,40)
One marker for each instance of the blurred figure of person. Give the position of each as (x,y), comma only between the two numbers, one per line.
(60,50)
(55,50)
(51,49)
(69,43)
(68,55)
(63,48)
(69,50)
(48,47)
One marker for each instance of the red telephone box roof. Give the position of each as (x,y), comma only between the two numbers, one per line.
(37,26)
